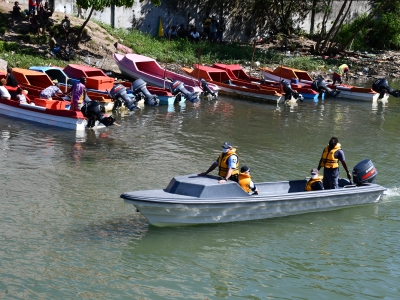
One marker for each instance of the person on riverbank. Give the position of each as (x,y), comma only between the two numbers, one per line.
(382,87)
(78,91)
(228,164)
(207,26)
(51,91)
(343,70)
(315,181)
(330,158)
(245,181)
(66,27)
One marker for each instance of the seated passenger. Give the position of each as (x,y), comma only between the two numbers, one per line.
(245,181)
(315,182)
(21,96)
(4,93)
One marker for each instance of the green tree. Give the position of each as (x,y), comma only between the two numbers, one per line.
(98,5)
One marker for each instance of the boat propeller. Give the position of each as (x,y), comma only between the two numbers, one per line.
(92,111)
(139,88)
(177,87)
(206,88)
(120,96)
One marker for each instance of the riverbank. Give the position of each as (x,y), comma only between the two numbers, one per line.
(97,50)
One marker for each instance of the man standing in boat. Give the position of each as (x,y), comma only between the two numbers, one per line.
(228,163)
(330,158)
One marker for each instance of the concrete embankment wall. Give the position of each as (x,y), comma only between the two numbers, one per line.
(144,16)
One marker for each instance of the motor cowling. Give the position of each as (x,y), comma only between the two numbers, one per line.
(119,94)
(177,87)
(139,86)
(320,86)
(364,172)
(93,112)
(206,88)
(289,92)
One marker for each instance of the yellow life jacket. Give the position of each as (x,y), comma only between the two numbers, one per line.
(312,181)
(222,163)
(207,23)
(244,181)
(328,158)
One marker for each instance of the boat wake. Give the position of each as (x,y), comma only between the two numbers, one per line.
(392,193)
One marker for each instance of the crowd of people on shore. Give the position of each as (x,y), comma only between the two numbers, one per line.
(213,31)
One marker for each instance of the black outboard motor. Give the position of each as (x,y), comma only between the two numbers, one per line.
(177,87)
(289,92)
(381,86)
(319,85)
(206,88)
(139,86)
(92,111)
(119,94)
(364,172)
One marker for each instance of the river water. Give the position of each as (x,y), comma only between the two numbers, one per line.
(66,234)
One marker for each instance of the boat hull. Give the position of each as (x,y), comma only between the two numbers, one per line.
(275,199)
(38,114)
(138,66)
(348,92)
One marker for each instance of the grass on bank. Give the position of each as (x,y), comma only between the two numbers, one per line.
(175,51)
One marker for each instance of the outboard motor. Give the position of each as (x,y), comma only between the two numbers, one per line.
(177,87)
(139,86)
(289,92)
(319,85)
(382,87)
(92,111)
(119,94)
(364,172)
(206,88)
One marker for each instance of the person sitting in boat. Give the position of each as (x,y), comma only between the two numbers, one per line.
(245,181)
(343,70)
(51,91)
(382,87)
(228,163)
(4,93)
(330,158)
(319,85)
(21,96)
(78,94)
(315,181)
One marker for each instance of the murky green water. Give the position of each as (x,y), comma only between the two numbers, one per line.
(66,234)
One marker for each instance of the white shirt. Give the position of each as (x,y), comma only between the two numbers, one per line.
(195,35)
(4,92)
